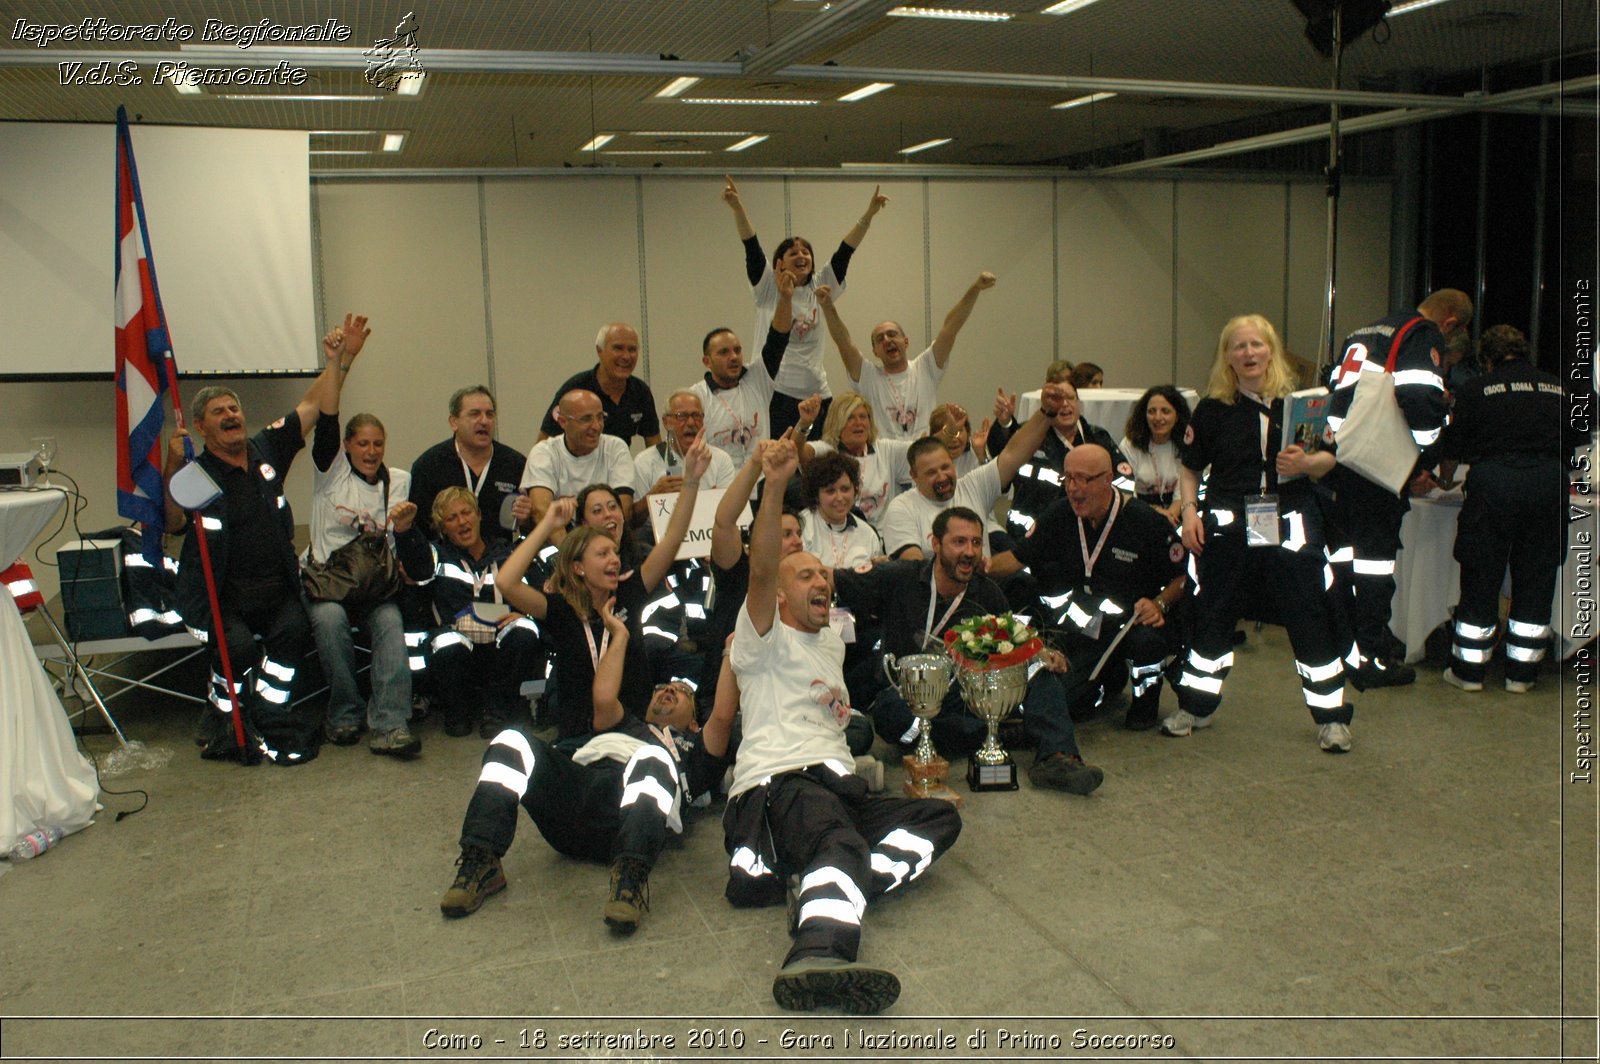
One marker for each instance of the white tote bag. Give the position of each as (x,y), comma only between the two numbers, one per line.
(1375,439)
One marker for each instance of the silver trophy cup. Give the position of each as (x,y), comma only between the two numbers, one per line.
(992,694)
(922,680)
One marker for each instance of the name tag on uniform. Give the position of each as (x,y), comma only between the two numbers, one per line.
(1261,521)
(842,621)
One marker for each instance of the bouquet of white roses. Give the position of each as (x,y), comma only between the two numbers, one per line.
(993,641)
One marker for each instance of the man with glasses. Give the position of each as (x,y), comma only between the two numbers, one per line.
(1104,559)
(658,470)
(629,407)
(582,455)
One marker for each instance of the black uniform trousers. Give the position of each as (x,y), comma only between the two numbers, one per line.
(957,731)
(1295,581)
(597,812)
(484,680)
(1366,537)
(1141,653)
(1514,515)
(263,677)
(845,846)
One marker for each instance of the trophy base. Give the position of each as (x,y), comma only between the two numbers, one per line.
(926,779)
(1001,777)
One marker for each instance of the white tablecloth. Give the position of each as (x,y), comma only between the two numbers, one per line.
(1104,408)
(1428,580)
(44,780)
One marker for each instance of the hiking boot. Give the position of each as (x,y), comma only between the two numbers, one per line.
(397,742)
(457,726)
(1182,723)
(1064,772)
(630,895)
(814,982)
(1334,738)
(1379,673)
(1453,680)
(478,875)
(342,734)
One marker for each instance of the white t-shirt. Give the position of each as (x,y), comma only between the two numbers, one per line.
(884,473)
(801,373)
(902,402)
(653,463)
(552,465)
(1155,472)
(792,701)
(737,418)
(908,522)
(839,548)
(343,505)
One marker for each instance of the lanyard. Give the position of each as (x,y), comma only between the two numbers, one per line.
(595,653)
(486,577)
(739,435)
(1105,532)
(839,551)
(933,600)
(1265,420)
(466,471)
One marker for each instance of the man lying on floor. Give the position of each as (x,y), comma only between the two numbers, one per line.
(612,798)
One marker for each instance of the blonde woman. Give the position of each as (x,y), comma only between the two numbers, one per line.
(1254,533)
(850,429)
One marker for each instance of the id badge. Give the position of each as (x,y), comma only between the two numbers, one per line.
(1261,521)
(842,621)
(1091,628)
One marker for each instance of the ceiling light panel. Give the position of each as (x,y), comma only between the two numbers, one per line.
(1081,100)
(748,142)
(925,145)
(866,90)
(954,14)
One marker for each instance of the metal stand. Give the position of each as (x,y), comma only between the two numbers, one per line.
(76,670)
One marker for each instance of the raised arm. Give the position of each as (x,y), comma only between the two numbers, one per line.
(1029,435)
(741,220)
(726,543)
(665,552)
(953,321)
(848,351)
(779,462)
(340,348)
(858,232)
(525,597)
(608,708)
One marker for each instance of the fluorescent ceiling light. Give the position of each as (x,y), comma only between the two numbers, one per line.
(187,88)
(675,151)
(954,13)
(343,132)
(316,97)
(1081,100)
(341,151)
(748,142)
(1412,5)
(866,90)
(737,102)
(689,133)
(410,83)
(925,145)
(393,141)
(678,86)
(600,141)
(1065,7)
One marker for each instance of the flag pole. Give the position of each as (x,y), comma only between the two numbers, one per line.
(125,158)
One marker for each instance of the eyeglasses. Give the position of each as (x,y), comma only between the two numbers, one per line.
(585,420)
(1080,480)
(692,415)
(682,689)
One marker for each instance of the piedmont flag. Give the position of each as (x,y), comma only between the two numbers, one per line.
(143,353)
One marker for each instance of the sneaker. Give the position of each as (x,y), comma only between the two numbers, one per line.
(1519,687)
(456,727)
(849,986)
(1182,723)
(1453,680)
(342,734)
(398,742)
(1062,772)
(420,705)
(871,770)
(630,895)
(1379,673)
(1334,738)
(479,875)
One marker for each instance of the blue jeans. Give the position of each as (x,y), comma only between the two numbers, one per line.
(390,706)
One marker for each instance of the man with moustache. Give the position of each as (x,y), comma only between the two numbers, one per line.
(582,455)
(629,408)
(473,459)
(1103,558)
(915,602)
(658,470)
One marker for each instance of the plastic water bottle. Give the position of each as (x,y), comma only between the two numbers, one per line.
(34,843)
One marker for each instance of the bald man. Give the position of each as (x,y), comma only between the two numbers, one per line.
(629,406)
(583,454)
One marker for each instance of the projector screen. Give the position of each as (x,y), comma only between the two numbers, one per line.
(229,212)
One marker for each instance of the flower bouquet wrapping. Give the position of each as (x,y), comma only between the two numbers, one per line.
(992,641)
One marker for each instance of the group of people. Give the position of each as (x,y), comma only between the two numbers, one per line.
(754,671)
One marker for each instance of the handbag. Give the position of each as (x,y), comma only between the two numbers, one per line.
(361,574)
(1375,439)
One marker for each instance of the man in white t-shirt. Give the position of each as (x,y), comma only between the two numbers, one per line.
(795,808)
(908,520)
(658,470)
(737,397)
(582,455)
(901,393)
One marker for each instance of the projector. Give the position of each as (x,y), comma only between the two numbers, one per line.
(18,470)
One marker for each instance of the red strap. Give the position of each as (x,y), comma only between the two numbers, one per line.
(1399,337)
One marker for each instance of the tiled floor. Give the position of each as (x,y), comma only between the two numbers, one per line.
(1429,895)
